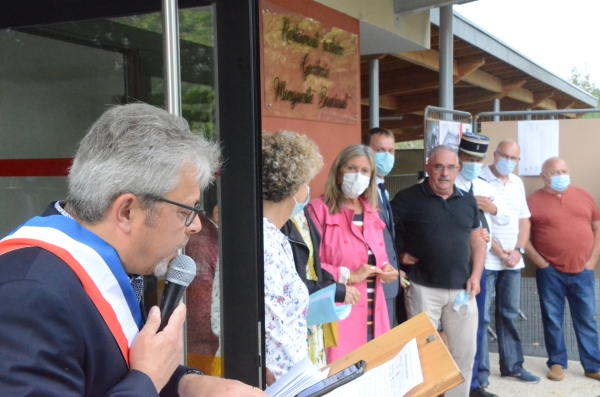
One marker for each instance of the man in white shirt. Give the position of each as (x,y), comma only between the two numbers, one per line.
(503,265)
(471,153)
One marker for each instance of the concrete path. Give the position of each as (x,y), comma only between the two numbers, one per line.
(575,383)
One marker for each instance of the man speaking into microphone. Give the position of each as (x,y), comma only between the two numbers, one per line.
(71,323)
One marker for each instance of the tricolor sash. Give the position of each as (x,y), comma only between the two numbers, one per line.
(95,263)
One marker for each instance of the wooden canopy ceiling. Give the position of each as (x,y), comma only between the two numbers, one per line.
(409,81)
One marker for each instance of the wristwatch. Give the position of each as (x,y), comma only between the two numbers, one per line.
(521,250)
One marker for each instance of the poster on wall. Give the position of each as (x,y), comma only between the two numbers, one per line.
(538,140)
(310,69)
(432,136)
(450,133)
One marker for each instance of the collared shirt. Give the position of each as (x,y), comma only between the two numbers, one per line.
(513,195)
(438,233)
(286,304)
(137,282)
(561,227)
(482,188)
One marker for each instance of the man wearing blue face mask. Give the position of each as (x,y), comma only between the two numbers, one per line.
(565,247)
(503,266)
(382,142)
(471,153)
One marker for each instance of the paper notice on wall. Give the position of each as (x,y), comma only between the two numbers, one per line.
(465,128)
(538,140)
(395,378)
(449,134)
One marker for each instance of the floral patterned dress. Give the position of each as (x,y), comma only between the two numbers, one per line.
(286,304)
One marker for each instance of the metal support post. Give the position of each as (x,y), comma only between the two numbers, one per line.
(446,58)
(172,86)
(172,76)
(496,109)
(374,93)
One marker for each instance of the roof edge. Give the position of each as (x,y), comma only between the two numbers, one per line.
(480,38)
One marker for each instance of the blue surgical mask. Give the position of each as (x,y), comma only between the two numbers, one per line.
(384,162)
(461,303)
(470,170)
(560,182)
(300,206)
(505,166)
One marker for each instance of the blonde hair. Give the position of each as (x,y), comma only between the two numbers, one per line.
(334,197)
(289,160)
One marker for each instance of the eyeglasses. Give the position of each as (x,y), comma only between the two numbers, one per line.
(440,168)
(505,157)
(195,210)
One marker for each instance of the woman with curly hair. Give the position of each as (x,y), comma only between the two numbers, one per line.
(290,162)
(352,245)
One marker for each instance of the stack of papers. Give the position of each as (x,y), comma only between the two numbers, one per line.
(322,308)
(300,377)
(395,378)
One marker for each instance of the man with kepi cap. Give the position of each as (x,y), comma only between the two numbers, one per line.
(471,152)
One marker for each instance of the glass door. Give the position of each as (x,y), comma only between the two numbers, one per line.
(63,67)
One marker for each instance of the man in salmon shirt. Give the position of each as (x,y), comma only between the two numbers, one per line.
(565,246)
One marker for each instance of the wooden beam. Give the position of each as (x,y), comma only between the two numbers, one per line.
(567,104)
(510,85)
(411,79)
(468,64)
(547,104)
(430,59)
(540,97)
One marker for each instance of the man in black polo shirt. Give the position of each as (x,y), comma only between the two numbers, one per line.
(443,253)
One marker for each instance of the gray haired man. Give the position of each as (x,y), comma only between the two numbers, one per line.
(69,280)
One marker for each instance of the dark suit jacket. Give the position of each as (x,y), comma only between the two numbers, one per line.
(301,252)
(390,290)
(53,341)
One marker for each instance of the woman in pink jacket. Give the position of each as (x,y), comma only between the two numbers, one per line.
(352,247)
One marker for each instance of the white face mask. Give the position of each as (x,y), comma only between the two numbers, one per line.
(355,184)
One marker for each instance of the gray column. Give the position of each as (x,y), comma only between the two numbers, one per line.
(446,58)
(172,87)
(374,93)
(171,75)
(496,109)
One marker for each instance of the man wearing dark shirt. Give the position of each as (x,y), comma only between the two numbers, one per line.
(443,253)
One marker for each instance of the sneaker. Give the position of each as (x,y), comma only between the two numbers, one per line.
(480,392)
(556,373)
(593,375)
(523,376)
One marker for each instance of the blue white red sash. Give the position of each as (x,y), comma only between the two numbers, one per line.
(96,264)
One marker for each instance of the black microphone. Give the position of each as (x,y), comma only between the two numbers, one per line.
(181,272)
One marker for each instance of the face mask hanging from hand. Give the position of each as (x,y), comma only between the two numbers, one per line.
(354,184)
(384,163)
(560,183)
(505,167)
(461,303)
(298,207)
(470,170)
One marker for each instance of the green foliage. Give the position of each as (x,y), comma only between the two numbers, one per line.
(582,80)
(197,101)
(409,145)
(194,25)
